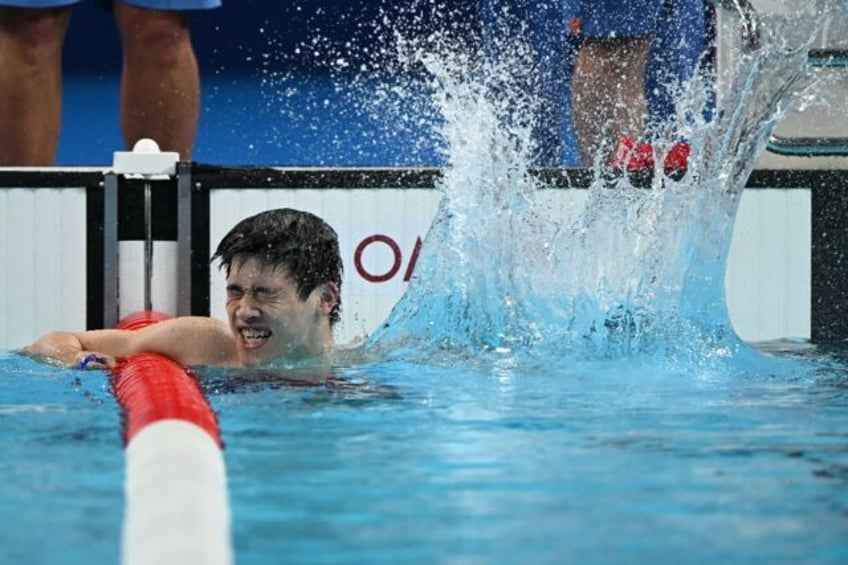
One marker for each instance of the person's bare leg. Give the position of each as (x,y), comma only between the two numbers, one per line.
(31,84)
(608,93)
(160,82)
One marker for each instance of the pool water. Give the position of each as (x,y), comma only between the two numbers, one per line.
(560,465)
(62,465)
(604,462)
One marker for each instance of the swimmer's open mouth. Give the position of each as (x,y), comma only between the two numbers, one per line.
(255,336)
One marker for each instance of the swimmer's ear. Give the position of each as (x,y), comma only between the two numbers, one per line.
(329,296)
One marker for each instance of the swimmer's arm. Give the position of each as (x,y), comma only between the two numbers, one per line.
(186,340)
(63,349)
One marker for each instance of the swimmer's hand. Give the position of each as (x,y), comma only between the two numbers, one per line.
(63,349)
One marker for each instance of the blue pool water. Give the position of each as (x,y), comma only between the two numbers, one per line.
(62,465)
(545,466)
(593,462)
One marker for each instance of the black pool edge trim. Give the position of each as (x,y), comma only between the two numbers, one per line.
(210,177)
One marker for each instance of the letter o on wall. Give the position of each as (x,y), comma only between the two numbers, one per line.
(396,263)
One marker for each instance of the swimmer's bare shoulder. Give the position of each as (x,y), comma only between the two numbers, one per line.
(191,340)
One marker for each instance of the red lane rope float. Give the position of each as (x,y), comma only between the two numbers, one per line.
(151,387)
(177,509)
(140,319)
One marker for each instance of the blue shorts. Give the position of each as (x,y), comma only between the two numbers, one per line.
(620,18)
(177,5)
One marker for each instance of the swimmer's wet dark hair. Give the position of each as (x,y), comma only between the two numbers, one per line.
(303,244)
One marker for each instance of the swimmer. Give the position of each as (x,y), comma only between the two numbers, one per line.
(284,277)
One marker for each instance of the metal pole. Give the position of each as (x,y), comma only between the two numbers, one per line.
(110,250)
(184,239)
(148,245)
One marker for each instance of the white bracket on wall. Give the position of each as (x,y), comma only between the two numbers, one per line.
(146,161)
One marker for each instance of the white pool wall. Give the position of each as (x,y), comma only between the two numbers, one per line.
(43,254)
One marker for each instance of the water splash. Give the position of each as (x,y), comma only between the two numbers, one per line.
(365,78)
(514,267)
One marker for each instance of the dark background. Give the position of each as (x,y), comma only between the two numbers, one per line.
(266,99)
(227,37)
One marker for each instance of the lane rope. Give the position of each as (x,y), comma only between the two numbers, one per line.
(176,501)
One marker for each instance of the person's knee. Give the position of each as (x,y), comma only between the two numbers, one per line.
(35,35)
(153,35)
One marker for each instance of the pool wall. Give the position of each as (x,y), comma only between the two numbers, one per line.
(782,278)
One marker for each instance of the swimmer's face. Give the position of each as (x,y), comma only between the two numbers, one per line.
(268,318)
